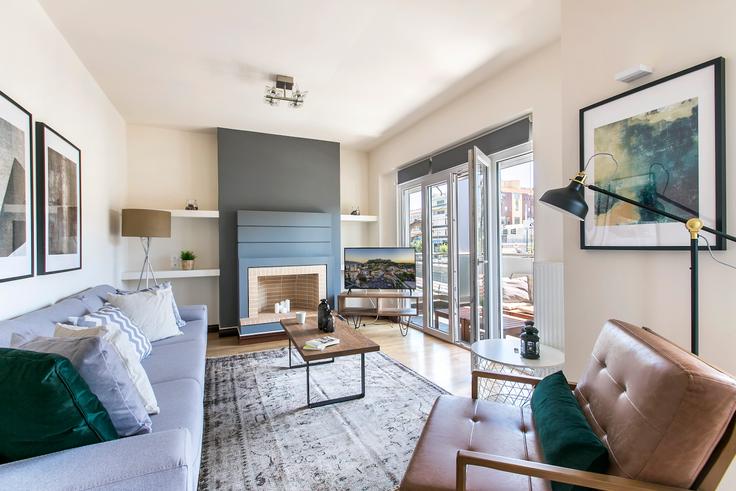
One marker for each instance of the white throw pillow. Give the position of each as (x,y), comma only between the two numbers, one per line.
(150,310)
(127,352)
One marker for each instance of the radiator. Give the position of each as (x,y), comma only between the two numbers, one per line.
(549,303)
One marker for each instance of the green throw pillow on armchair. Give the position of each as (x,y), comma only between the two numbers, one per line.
(564,434)
(46,406)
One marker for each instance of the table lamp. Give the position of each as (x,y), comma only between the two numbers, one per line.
(571,200)
(146,224)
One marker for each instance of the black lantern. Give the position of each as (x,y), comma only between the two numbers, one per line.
(324,317)
(530,341)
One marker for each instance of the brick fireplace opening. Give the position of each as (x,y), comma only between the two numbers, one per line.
(303,286)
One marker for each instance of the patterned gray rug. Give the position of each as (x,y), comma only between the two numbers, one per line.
(259,434)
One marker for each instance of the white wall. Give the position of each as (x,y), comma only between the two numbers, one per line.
(42,73)
(530,86)
(354,192)
(166,167)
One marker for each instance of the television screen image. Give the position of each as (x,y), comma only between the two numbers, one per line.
(390,268)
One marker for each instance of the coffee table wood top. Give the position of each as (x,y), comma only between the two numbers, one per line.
(351,341)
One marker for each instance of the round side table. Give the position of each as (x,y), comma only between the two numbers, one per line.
(502,355)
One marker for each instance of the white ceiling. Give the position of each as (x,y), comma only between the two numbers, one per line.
(372,67)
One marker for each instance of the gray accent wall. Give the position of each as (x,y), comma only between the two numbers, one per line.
(265,172)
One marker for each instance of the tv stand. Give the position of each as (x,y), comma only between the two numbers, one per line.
(379,308)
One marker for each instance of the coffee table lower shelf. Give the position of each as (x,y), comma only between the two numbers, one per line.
(334,400)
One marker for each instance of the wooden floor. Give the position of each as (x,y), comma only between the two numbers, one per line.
(443,363)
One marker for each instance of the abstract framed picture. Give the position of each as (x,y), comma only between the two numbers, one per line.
(668,141)
(16,191)
(59,202)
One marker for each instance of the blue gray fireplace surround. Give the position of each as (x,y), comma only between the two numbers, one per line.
(266,173)
(272,238)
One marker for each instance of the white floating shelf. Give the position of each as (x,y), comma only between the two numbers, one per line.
(194,213)
(358,218)
(174,273)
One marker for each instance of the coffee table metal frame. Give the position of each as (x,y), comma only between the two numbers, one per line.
(334,400)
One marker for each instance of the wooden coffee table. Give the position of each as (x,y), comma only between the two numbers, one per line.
(351,343)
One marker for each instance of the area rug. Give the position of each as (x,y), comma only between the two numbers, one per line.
(259,434)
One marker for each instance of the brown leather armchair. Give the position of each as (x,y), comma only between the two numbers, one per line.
(666,417)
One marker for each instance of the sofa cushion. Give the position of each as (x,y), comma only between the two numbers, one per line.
(151,310)
(40,322)
(176,361)
(166,285)
(100,365)
(192,331)
(660,410)
(461,423)
(127,353)
(46,406)
(565,436)
(109,315)
(93,298)
(181,407)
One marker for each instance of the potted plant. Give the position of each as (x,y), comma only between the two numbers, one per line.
(187,260)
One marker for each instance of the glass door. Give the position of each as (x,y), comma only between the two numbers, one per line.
(412,225)
(483,261)
(437,257)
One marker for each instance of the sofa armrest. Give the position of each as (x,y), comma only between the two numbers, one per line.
(193,313)
(551,472)
(158,461)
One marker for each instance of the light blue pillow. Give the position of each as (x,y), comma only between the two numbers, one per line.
(109,315)
(102,368)
(161,286)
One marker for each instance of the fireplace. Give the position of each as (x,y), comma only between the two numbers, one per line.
(303,286)
(283,255)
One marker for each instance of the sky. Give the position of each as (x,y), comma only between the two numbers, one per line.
(398,254)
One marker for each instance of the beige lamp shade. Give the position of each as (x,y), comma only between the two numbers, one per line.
(146,223)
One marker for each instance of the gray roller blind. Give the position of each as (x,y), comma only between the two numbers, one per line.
(413,171)
(494,141)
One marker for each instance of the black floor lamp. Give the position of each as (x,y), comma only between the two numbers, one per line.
(571,200)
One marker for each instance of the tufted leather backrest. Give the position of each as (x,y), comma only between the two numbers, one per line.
(659,409)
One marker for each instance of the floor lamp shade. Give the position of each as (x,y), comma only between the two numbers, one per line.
(146,223)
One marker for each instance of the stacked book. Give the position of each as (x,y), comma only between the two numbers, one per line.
(319,344)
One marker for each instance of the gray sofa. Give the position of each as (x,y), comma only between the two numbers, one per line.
(167,458)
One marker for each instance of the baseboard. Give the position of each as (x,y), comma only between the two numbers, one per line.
(213,328)
(225,332)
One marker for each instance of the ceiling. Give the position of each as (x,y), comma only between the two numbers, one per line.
(371,67)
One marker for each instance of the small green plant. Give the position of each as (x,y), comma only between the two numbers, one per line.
(188,256)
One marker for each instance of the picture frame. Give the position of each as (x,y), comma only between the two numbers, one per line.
(59,202)
(16,191)
(668,141)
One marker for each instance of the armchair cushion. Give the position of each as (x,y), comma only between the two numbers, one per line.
(565,436)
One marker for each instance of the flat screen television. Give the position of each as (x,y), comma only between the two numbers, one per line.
(389,268)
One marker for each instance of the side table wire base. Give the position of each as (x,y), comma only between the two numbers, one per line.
(503,391)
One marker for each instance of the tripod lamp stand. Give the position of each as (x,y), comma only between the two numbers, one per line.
(146,224)
(571,200)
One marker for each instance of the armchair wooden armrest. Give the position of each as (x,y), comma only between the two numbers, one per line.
(508,377)
(552,472)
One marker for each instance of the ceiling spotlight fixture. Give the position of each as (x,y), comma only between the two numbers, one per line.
(284,90)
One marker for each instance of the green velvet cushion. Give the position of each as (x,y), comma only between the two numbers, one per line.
(564,434)
(46,406)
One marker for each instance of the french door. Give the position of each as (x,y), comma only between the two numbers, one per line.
(481,254)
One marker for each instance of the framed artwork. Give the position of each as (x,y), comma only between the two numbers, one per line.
(59,202)
(668,139)
(16,191)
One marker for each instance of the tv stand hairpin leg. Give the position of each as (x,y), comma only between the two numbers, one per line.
(397,304)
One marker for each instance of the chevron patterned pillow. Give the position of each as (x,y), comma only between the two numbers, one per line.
(109,315)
